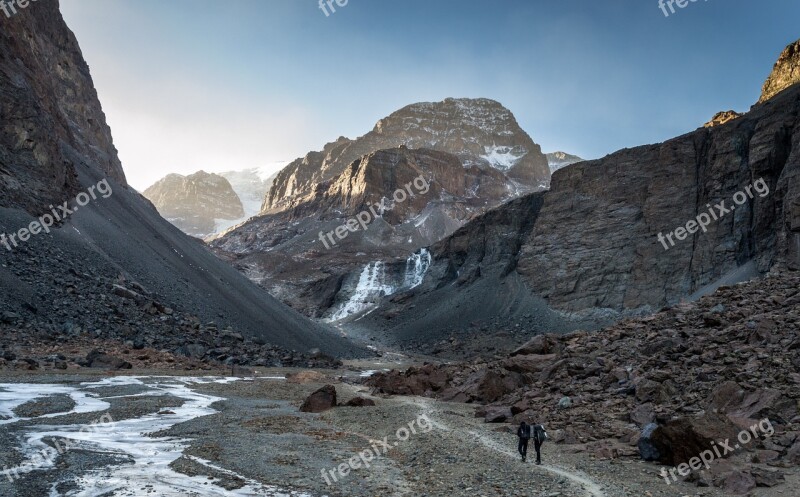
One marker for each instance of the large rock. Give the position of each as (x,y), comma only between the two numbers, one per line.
(529,363)
(682,439)
(745,407)
(738,483)
(101,360)
(321,400)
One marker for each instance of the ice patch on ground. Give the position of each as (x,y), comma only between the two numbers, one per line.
(143,462)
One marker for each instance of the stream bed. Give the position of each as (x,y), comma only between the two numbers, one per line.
(104,438)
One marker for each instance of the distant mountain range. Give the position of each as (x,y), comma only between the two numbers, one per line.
(473,154)
(207,204)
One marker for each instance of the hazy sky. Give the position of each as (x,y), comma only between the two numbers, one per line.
(219,85)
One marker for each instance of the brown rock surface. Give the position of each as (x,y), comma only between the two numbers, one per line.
(667,368)
(50,112)
(785,73)
(194,203)
(462,127)
(723,117)
(321,400)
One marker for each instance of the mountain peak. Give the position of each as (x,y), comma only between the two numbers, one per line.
(479,131)
(785,73)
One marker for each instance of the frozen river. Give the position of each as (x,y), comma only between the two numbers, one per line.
(136,462)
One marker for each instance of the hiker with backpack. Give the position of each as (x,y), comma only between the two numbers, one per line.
(524,434)
(539,437)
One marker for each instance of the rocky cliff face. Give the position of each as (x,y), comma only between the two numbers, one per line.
(114,271)
(197,203)
(51,117)
(785,73)
(591,249)
(602,218)
(480,132)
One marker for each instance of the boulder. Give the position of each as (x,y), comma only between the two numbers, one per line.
(493,386)
(321,400)
(684,438)
(738,483)
(497,415)
(101,360)
(652,391)
(648,449)
(643,415)
(767,477)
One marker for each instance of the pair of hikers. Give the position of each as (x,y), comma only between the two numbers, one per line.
(525,432)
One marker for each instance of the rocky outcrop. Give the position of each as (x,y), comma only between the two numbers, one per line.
(785,73)
(195,204)
(321,400)
(473,154)
(51,117)
(721,118)
(480,132)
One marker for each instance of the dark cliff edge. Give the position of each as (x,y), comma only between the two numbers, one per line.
(55,144)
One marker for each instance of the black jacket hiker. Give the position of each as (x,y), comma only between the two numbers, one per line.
(539,436)
(524,434)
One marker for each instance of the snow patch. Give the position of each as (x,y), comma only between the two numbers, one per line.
(502,158)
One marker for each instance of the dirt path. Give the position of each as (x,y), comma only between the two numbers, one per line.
(592,488)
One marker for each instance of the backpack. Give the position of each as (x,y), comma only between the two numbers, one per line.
(539,434)
(525,432)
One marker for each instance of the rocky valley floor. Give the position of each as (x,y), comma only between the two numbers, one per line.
(187,435)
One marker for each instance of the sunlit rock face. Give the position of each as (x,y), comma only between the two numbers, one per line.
(785,73)
(196,204)
(480,132)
